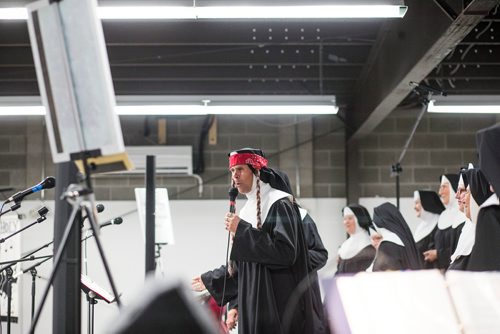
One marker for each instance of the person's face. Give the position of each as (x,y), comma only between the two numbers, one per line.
(376,238)
(350,224)
(460,195)
(444,193)
(242,177)
(418,207)
(466,200)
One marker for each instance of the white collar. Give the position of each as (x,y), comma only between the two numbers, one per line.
(303,213)
(492,200)
(389,236)
(268,196)
(451,216)
(428,222)
(356,242)
(466,241)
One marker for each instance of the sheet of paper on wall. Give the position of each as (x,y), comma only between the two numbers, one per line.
(392,302)
(476,296)
(164,233)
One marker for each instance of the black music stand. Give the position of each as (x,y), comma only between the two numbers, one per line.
(93,292)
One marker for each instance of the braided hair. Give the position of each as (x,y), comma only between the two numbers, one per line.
(259,213)
(256,172)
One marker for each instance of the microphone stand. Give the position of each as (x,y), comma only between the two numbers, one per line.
(396,169)
(34,273)
(10,278)
(43,211)
(11,209)
(81,198)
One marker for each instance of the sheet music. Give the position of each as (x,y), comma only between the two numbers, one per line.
(476,296)
(398,302)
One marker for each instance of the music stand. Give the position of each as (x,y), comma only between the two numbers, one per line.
(93,292)
(75,83)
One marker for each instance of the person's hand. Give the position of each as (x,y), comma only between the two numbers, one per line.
(232,220)
(197,284)
(232,318)
(430,255)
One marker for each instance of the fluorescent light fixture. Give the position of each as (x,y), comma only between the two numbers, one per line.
(18,13)
(465,104)
(226,110)
(22,111)
(193,105)
(233,12)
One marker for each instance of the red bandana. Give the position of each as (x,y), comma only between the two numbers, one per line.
(256,161)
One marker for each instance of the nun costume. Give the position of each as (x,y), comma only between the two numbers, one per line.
(356,253)
(397,250)
(428,207)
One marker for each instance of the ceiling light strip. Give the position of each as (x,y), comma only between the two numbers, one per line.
(232,12)
(180,110)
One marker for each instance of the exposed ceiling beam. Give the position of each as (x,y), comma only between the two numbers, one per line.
(408,50)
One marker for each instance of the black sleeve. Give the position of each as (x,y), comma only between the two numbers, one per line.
(318,255)
(233,303)
(214,282)
(443,240)
(275,244)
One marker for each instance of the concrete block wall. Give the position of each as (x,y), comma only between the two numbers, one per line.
(442,143)
(310,149)
(288,141)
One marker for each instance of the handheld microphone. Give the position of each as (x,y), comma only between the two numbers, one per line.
(233,193)
(48,183)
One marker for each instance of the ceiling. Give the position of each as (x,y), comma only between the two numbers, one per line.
(367,63)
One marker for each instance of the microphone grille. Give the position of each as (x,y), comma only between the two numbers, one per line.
(99,207)
(233,193)
(49,182)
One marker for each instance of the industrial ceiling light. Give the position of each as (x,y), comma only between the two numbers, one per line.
(233,12)
(466,104)
(193,105)
(253,12)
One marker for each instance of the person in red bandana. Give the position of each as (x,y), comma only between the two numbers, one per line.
(269,255)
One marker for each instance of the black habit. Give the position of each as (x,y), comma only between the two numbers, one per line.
(485,254)
(392,256)
(270,263)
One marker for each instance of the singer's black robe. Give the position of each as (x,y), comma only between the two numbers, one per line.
(357,263)
(456,236)
(460,263)
(391,256)
(485,255)
(444,241)
(318,256)
(272,281)
(425,244)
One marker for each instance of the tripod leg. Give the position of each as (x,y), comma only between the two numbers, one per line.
(89,314)
(9,301)
(101,253)
(57,262)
